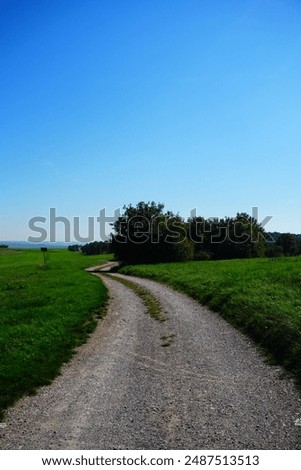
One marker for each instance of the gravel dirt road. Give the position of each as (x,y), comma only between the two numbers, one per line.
(210,389)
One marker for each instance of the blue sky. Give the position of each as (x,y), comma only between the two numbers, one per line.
(193,103)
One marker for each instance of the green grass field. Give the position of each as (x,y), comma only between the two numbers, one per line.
(261,297)
(46,310)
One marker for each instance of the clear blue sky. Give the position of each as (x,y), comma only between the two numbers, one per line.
(193,103)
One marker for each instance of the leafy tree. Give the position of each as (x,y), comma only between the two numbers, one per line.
(230,237)
(246,238)
(289,244)
(146,234)
(274,250)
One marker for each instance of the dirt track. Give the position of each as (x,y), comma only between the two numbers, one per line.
(210,389)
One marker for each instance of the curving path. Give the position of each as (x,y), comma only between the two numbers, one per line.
(210,389)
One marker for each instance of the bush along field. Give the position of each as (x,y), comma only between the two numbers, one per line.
(261,297)
(48,306)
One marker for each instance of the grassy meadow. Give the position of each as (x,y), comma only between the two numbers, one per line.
(47,308)
(261,297)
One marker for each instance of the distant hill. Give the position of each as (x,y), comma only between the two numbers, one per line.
(33,246)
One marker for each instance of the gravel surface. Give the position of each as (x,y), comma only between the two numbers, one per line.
(210,389)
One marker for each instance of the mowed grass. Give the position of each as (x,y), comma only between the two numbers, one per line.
(46,310)
(261,297)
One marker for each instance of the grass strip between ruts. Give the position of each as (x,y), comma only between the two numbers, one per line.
(152,304)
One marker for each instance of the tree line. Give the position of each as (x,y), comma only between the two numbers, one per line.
(93,248)
(146,233)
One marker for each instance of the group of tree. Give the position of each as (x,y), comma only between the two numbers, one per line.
(92,248)
(74,247)
(231,237)
(146,233)
(285,244)
(96,248)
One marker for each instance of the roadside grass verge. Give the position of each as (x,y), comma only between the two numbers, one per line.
(261,297)
(48,306)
